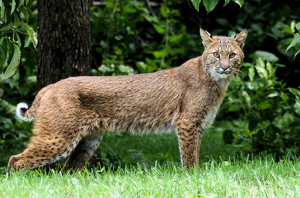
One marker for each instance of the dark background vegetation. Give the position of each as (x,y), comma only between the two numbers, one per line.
(261,109)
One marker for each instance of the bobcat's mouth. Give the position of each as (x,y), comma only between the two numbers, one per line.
(220,70)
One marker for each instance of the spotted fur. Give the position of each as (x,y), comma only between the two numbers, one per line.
(72,114)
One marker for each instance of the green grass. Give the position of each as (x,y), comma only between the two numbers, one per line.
(214,178)
(243,178)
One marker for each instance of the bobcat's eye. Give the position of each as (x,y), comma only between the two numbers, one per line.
(216,54)
(231,55)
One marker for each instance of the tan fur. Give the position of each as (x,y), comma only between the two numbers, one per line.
(72,114)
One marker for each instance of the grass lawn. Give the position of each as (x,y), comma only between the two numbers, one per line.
(243,178)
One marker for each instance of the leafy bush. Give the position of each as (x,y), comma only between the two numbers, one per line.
(293,29)
(264,112)
(15,33)
(128,33)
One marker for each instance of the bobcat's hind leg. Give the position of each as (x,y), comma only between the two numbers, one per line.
(83,151)
(42,150)
(189,138)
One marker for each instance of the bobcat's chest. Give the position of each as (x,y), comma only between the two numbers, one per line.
(210,116)
(217,101)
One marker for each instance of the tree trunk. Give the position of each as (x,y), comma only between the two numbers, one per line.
(63,40)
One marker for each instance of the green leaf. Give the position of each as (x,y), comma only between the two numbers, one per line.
(177,37)
(25,13)
(272,95)
(159,29)
(295,92)
(271,69)
(7,107)
(175,51)
(164,10)
(298,26)
(3,51)
(151,65)
(210,4)
(293,25)
(247,98)
(251,73)
(16,22)
(260,68)
(27,41)
(31,33)
(160,53)
(295,41)
(21,2)
(196,4)
(264,105)
(266,56)
(228,136)
(13,6)
(14,63)
(297,107)
(14,80)
(2,8)
(287,118)
(287,29)
(226,2)
(109,5)
(141,66)
(239,2)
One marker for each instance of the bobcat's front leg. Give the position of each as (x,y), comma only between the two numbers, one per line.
(189,137)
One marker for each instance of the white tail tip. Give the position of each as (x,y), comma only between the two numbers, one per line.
(20,111)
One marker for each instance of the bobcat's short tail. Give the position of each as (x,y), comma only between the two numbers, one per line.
(23,113)
(29,114)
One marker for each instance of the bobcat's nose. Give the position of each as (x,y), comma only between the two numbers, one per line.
(224,67)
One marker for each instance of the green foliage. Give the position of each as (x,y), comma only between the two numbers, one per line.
(264,113)
(295,43)
(129,33)
(211,4)
(13,21)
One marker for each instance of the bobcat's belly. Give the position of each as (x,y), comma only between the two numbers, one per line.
(140,126)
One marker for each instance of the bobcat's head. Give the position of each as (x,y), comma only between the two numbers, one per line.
(223,56)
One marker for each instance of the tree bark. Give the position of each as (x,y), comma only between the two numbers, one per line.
(63,40)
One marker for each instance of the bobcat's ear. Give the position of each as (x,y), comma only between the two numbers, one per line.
(241,37)
(206,37)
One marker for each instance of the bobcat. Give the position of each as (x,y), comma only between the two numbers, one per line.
(72,114)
